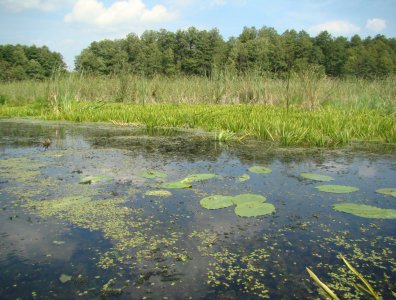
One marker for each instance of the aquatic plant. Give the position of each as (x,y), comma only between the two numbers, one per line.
(337,189)
(216,202)
(322,285)
(387,191)
(150,174)
(317,177)
(93,179)
(175,185)
(365,211)
(198,177)
(244,177)
(159,193)
(260,170)
(254,209)
(64,278)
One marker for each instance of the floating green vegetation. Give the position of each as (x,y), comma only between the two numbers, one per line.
(247,198)
(21,169)
(151,174)
(260,170)
(366,211)
(176,185)
(337,189)
(244,177)
(216,202)
(198,177)
(247,205)
(94,179)
(387,191)
(159,193)
(254,209)
(64,278)
(317,177)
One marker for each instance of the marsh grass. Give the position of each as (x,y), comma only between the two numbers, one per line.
(321,112)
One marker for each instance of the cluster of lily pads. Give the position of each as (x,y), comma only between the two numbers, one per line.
(361,210)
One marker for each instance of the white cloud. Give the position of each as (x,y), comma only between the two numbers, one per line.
(336,27)
(120,13)
(376,25)
(45,5)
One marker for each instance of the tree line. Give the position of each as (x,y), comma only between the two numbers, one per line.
(205,53)
(19,62)
(262,51)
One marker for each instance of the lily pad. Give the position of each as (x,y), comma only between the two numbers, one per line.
(159,193)
(216,202)
(245,198)
(317,177)
(151,174)
(244,177)
(176,185)
(260,170)
(338,189)
(366,211)
(387,191)
(198,177)
(93,179)
(254,209)
(65,278)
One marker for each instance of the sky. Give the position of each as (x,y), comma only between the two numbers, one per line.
(69,26)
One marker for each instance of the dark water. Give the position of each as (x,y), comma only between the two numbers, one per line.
(117,242)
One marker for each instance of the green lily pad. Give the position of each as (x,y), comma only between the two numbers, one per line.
(151,174)
(216,202)
(254,209)
(260,170)
(198,177)
(366,211)
(176,185)
(317,177)
(245,198)
(65,278)
(159,193)
(244,177)
(387,191)
(93,179)
(338,189)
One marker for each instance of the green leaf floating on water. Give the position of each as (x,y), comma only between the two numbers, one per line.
(317,177)
(387,191)
(338,189)
(216,202)
(176,185)
(93,179)
(254,209)
(245,198)
(159,193)
(366,211)
(198,177)
(243,177)
(65,278)
(151,174)
(260,170)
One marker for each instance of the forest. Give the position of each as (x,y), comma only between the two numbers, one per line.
(262,52)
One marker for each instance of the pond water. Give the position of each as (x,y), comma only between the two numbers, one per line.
(90,217)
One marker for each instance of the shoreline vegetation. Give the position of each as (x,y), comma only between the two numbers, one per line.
(305,110)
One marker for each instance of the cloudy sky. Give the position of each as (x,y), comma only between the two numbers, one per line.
(68,26)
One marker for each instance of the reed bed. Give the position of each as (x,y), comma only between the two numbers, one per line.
(323,112)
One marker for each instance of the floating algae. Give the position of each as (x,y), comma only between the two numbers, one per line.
(159,193)
(366,211)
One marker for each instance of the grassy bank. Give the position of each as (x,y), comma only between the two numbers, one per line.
(323,127)
(307,110)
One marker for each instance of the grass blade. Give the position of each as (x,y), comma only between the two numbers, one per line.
(322,285)
(360,276)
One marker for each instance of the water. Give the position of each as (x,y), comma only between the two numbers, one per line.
(112,240)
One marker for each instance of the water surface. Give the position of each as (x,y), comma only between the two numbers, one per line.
(61,239)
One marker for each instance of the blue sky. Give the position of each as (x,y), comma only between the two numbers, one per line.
(68,26)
